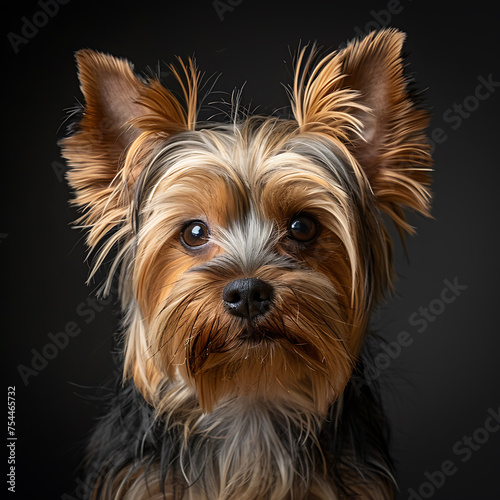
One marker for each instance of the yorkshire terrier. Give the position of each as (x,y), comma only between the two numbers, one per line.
(249,256)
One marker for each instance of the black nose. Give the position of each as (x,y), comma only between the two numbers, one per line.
(247,297)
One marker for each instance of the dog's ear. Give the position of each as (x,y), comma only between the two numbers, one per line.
(359,96)
(122,115)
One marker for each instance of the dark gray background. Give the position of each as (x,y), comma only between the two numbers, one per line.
(438,390)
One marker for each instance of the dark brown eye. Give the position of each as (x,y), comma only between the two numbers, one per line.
(303,228)
(194,234)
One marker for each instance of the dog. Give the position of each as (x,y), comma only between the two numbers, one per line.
(248,256)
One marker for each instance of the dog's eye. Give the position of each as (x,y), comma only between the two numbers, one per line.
(303,228)
(194,234)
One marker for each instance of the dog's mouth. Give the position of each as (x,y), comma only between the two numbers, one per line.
(258,333)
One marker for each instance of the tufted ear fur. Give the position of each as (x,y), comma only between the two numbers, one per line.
(359,97)
(121,115)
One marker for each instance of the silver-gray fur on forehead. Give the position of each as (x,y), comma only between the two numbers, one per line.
(237,145)
(247,243)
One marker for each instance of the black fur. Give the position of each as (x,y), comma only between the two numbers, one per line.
(129,435)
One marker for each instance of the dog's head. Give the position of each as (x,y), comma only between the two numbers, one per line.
(250,253)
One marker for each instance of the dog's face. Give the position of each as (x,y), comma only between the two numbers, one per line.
(250,261)
(251,253)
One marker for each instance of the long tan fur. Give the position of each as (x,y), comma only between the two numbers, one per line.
(141,167)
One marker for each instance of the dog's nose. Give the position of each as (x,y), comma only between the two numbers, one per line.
(247,297)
